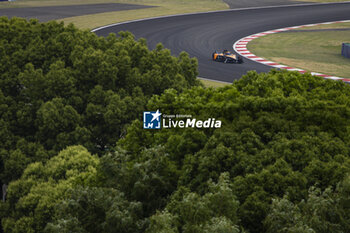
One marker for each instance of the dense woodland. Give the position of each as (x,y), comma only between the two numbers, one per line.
(76,158)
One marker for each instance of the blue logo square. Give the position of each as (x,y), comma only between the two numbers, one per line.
(152,120)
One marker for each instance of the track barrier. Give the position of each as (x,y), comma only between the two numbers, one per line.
(345,50)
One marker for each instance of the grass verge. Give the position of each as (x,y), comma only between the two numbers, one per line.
(318,51)
(214,84)
(326,26)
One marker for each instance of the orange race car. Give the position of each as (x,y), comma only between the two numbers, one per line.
(227,57)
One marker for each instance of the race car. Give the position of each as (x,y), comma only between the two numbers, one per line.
(227,57)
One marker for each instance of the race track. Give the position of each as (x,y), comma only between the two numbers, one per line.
(200,34)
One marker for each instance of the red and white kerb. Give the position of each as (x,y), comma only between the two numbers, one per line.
(241,47)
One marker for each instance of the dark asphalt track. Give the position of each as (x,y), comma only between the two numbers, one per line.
(58,12)
(201,34)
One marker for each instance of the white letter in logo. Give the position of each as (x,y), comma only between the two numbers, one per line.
(218,124)
(199,124)
(206,124)
(190,123)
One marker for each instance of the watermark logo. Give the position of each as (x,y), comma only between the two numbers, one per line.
(152,120)
(192,123)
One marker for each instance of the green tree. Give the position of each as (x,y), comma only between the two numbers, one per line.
(189,212)
(61,86)
(282,133)
(96,210)
(149,179)
(32,199)
(323,211)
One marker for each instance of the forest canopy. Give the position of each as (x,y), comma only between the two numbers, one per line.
(62,86)
(285,142)
(77,159)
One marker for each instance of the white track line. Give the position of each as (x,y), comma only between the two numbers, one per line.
(240,47)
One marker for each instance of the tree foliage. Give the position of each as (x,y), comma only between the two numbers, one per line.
(150,178)
(282,133)
(188,212)
(322,211)
(32,199)
(279,163)
(61,86)
(96,210)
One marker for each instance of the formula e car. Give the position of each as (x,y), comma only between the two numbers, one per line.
(227,57)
